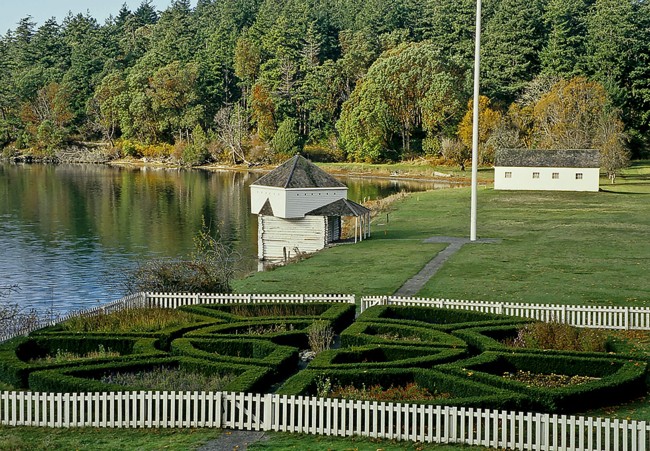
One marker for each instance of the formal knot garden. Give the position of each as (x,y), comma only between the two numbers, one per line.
(422,370)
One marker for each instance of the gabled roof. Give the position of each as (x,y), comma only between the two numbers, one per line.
(341,207)
(266,209)
(298,172)
(570,158)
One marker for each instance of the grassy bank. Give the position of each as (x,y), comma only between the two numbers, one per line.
(556,247)
(413,169)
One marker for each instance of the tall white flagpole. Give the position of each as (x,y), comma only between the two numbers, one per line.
(477,71)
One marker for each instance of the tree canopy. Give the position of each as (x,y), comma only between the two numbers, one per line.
(386,80)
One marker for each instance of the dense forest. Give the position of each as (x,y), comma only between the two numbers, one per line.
(378,80)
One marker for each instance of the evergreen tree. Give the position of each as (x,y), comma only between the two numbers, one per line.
(564,52)
(513,38)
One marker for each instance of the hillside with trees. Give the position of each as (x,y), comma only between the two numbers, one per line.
(246,81)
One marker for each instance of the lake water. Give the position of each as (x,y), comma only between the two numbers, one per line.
(69,233)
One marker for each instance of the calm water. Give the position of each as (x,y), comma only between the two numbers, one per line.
(68,233)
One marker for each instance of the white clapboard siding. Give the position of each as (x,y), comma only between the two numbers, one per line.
(602,317)
(294,202)
(323,416)
(566,179)
(303,200)
(279,238)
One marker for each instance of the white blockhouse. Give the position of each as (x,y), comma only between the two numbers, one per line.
(547,170)
(299,208)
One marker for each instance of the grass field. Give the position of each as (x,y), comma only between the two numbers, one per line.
(556,247)
(93,439)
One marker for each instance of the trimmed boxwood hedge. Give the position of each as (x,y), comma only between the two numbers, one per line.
(363,333)
(164,336)
(15,356)
(86,379)
(340,315)
(489,339)
(437,318)
(221,343)
(619,379)
(463,392)
(376,356)
(282,359)
(296,337)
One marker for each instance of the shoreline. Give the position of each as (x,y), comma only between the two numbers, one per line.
(370,171)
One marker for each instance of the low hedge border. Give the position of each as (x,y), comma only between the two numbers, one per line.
(478,338)
(84,379)
(15,366)
(464,393)
(339,315)
(164,336)
(437,318)
(282,359)
(619,379)
(365,333)
(296,337)
(376,356)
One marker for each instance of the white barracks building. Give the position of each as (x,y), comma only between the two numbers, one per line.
(547,170)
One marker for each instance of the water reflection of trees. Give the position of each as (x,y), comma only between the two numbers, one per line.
(145,211)
(136,211)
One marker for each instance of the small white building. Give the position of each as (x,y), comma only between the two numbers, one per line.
(300,209)
(547,170)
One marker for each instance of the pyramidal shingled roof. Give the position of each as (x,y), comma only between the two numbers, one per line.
(299,172)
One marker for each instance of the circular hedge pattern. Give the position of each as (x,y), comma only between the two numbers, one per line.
(458,353)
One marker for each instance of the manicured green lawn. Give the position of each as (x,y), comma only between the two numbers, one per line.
(305,442)
(373,267)
(582,248)
(556,247)
(94,439)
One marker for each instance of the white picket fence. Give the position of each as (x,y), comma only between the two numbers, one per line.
(324,416)
(601,317)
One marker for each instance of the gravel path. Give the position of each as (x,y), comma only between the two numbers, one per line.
(415,283)
(234,440)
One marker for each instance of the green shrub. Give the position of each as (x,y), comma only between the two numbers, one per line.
(339,314)
(286,141)
(617,379)
(382,356)
(89,378)
(462,392)
(17,357)
(282,359)
(290,332)
(430,315)
(362,333)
